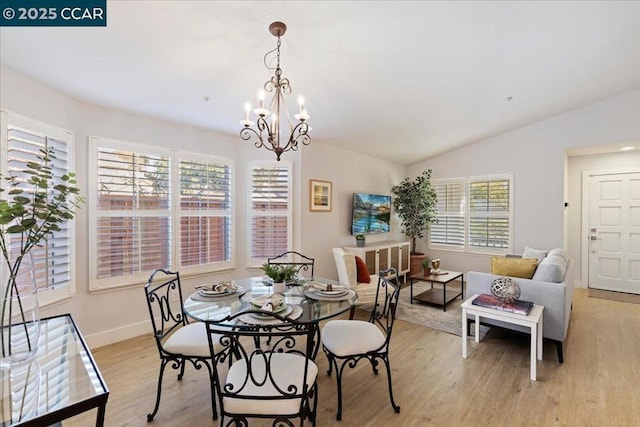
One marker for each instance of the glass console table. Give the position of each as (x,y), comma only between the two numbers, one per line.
(63,380)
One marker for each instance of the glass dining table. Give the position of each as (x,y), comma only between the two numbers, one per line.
(301,298)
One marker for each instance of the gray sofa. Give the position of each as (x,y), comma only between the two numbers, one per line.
(556,297)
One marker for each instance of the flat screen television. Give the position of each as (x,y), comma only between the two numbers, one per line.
(371,213)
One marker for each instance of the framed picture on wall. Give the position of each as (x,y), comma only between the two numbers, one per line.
(319,196)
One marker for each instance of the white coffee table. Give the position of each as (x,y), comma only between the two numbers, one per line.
(533,321)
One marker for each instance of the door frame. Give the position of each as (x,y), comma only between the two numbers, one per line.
(586,203)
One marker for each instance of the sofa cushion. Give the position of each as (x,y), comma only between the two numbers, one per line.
(534,253)
(551,269)
(362,272)
(513,267)
(561,252)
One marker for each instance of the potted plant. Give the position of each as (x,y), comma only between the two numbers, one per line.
(35,204)
(426,266)
(360,240)
(280,274)
(415,203)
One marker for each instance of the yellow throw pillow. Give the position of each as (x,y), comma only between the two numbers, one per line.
(514,267)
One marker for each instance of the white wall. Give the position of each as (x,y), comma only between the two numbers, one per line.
(349,173)
(576,166)
(535,155)
(114,315)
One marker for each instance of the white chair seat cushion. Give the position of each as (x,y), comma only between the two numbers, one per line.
(347,337)
(189,340)
(286,369)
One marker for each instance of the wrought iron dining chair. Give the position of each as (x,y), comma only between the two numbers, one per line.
(303,263)
(275,381)
(177,340)
(347,342)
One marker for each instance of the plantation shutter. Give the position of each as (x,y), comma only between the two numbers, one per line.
(133,224)
(48,265)
(205,212)
(450,228)
(490,213)
(270,210)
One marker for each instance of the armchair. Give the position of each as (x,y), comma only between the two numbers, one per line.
(347,275)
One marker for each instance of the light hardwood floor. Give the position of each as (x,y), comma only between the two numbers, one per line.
(598,385)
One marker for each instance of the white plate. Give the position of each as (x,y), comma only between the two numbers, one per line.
(336,293)
(206,293)
(283,310)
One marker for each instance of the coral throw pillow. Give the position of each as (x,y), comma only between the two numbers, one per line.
(362,271)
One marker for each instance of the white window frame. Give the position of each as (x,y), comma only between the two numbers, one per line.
(46,296)
(179,213)
(466,248)
(174,213)
(465,219)
(255,262)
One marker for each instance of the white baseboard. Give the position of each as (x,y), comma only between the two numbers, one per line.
(580,284)
(118,334)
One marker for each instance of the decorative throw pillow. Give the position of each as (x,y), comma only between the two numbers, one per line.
(560,252)
(362,271)
(534,253)
(551,269)
(513,267)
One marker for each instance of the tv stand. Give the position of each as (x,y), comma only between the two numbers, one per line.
(382,255)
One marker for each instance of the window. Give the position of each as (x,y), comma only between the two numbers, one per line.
(52,263)
(157,208)
(205,206)
(270,206)
(483,224)
(449,230)
(489,213)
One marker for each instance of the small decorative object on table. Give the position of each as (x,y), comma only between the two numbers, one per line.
(435,267)
(360,240)
(505,289)
(515,306)
(426,266)
(280,274)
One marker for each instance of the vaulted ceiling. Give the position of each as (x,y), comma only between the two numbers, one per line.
(401,80)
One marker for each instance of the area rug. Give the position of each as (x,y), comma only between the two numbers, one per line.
(432,316)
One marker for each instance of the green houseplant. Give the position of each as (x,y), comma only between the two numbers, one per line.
(415,203)
(34,204)
(360,241)
(426,266)
(279,273)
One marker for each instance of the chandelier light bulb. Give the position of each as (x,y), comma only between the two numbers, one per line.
(247,109)
(261,95)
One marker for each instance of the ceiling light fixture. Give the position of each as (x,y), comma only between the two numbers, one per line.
(267,134)
(627,148)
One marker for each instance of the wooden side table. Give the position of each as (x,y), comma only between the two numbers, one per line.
(434,296)
(533,321)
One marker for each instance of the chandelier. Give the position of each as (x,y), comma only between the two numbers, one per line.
(266,133)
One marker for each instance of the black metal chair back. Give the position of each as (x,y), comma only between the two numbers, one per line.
(178,341)
(164,299)
(386,304)
(276,380)
(338,340)
(303,263)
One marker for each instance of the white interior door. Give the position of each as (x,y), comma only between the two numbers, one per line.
(614,232)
